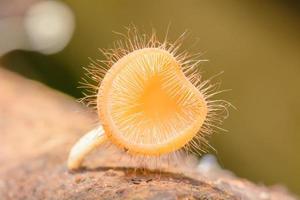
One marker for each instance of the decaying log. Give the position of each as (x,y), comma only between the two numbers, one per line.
(37,129)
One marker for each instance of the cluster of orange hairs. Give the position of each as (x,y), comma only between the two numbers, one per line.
(133,41)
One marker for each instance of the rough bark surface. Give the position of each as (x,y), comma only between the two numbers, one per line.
(37,129)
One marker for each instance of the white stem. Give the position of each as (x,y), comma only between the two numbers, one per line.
(84,146)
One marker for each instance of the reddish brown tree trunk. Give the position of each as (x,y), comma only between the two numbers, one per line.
(38,127)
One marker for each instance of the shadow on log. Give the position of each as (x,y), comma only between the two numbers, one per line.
(37,129)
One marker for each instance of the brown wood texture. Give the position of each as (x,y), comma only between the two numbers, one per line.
(37,129)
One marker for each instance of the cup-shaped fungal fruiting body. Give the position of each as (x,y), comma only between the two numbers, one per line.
(150,97)
(147,105)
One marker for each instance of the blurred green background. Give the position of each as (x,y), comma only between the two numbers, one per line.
(256,43)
